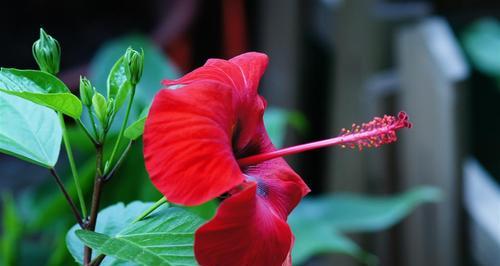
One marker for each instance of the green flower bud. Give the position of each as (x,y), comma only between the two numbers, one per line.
(100,108)
(134,64)
(47,53)
(86,91)
(110,112)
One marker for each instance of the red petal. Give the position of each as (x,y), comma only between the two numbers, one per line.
(243,74)
(288,260)
(187,142)
(252,65)
(280,187)
(244,232)
(191,132)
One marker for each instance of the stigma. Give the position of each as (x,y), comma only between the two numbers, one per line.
(378,132)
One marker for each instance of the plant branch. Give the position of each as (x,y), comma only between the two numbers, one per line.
(89,135)
(92,121)
(97,260)
(74,209)
(108,175)
(96,196)
(72,164)
(122,129)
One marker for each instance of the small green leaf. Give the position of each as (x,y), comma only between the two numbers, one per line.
(28,131)
(41,88)
(165,237)
(118,84)
(136,129)
(100,108)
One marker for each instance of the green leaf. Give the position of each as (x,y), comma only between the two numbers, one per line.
(481,42)
(321,238)
(29,131)
(165,237)
(337,213)
(117,84)
(356,213)
(41,88)
(136,129)
(12,230)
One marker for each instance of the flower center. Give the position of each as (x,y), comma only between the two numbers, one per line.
(262,187)
(379,131)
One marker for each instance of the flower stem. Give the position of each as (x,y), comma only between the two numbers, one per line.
(74,209)
(122,129)
(89,135)
(97,260)
(111,172)
(72,164)
(151,209)
(96,196)
(92,121)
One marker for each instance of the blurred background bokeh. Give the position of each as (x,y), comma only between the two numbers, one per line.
(332,63)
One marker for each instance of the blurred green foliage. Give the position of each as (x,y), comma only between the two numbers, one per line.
(277,121)
(319,222)
(12,228)
(481,42)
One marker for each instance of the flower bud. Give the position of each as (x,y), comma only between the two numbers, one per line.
(100,108)
(47,53)
(110,112)
(86,91)
(134,64)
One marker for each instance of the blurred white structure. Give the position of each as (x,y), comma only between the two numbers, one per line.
(431,65)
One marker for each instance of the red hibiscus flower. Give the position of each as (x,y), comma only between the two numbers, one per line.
(205,137)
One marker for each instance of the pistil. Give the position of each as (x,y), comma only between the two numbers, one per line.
(379,131)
